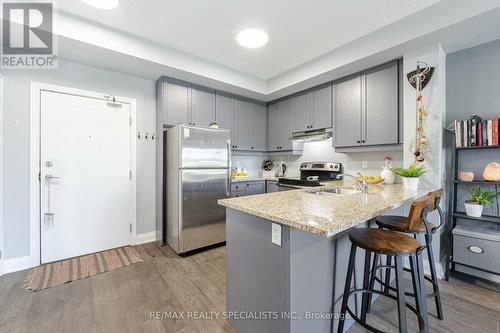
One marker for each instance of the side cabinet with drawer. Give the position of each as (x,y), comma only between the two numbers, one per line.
(477,248)
(240,189)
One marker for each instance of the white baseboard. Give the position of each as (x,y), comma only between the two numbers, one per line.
(146,237)
(16,264)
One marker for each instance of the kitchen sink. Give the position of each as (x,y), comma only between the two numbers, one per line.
(334,190)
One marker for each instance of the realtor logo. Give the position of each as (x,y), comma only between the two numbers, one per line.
(27,32)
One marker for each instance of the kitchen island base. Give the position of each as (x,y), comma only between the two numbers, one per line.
(287,288)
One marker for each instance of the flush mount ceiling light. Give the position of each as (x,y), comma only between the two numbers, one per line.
(102,4)
(252,38)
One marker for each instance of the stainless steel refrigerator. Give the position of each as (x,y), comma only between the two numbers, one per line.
(197,173)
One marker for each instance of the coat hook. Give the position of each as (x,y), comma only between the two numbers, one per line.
(152,136)
(147,135)
(139,135)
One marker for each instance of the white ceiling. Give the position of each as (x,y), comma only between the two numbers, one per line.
(299,30)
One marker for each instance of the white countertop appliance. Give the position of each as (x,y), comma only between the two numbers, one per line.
(198,174)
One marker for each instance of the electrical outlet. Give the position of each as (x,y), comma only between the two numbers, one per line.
(276,234)
(365,164)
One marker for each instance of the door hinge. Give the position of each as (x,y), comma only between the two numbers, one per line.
(130,174)
(39,176)
(130,227)
(130,121)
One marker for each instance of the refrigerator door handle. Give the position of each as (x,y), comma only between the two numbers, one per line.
(228,182)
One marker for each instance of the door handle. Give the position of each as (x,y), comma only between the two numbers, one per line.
(50,177)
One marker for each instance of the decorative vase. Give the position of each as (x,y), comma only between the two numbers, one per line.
(411,183)
(387,173)
(466,176)
(492,172)
(473,209)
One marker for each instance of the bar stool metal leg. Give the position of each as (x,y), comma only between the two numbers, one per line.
(372,281)
(417,290)
(421,282)
(345,297)
(366,283)
(388,274)
(434,278)
(401,295)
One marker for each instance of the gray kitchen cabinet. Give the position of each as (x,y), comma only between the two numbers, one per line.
(272,186)
(243,111)
(258,138)
(254,188)
(224,111)
(312,110)
(381,125)
(202,106)
(175,102)
(273,138)
(367,108)
(280,126)
(300,108)
(348,112)
(322,107)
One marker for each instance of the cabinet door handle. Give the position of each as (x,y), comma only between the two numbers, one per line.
(358,141)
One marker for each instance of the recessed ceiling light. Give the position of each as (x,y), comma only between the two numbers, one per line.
(102,4)
(252,38)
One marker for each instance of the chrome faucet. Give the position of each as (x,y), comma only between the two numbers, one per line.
(363,185)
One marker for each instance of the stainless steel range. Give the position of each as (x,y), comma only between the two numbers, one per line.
(312,174)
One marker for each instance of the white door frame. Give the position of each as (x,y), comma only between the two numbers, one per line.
(1,178)
(35,92)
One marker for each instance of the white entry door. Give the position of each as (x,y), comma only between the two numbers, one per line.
(85,156)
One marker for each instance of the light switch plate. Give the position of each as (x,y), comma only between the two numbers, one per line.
(276,234)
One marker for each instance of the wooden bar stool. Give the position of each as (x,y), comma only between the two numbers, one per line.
(399,223)
(392,244)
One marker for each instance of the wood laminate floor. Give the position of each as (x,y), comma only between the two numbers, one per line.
(122,300)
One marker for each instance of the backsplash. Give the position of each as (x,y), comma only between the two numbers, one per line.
(353,162)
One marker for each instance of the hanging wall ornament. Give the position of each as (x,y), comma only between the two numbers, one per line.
(419,79)
(425,75)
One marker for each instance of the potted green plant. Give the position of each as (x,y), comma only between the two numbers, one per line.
(478,200)
(410,175)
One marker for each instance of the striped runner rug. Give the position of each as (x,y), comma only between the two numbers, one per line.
(61,272)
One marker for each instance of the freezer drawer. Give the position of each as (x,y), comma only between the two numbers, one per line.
(202,219)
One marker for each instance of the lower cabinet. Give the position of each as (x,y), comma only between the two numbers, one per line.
(241,189)
(272,186)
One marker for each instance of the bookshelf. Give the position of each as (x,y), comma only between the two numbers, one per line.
(458,215)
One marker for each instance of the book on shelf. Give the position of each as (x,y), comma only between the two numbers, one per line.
(477,132)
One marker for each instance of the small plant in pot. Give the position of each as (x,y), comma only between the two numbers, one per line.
(410,175)
(478,200)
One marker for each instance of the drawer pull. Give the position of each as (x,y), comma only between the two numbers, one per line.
(475,249)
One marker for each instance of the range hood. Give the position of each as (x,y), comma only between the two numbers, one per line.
(312,135)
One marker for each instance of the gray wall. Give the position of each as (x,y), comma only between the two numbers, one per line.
(473,82)
(15,133)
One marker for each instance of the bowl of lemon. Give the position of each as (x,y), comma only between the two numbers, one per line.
(372,179)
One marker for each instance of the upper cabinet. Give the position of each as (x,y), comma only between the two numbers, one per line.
(224,111)
(381,106)
(247,121)
(301,107)
(243,112)
(258,137)
(280,126)
(175,102)
(186,104)
(322,107)
(367,108)
(202,106)
(312,110)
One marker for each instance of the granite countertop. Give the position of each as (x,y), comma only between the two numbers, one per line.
(324,214)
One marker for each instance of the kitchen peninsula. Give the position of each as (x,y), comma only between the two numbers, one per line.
(287,253)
